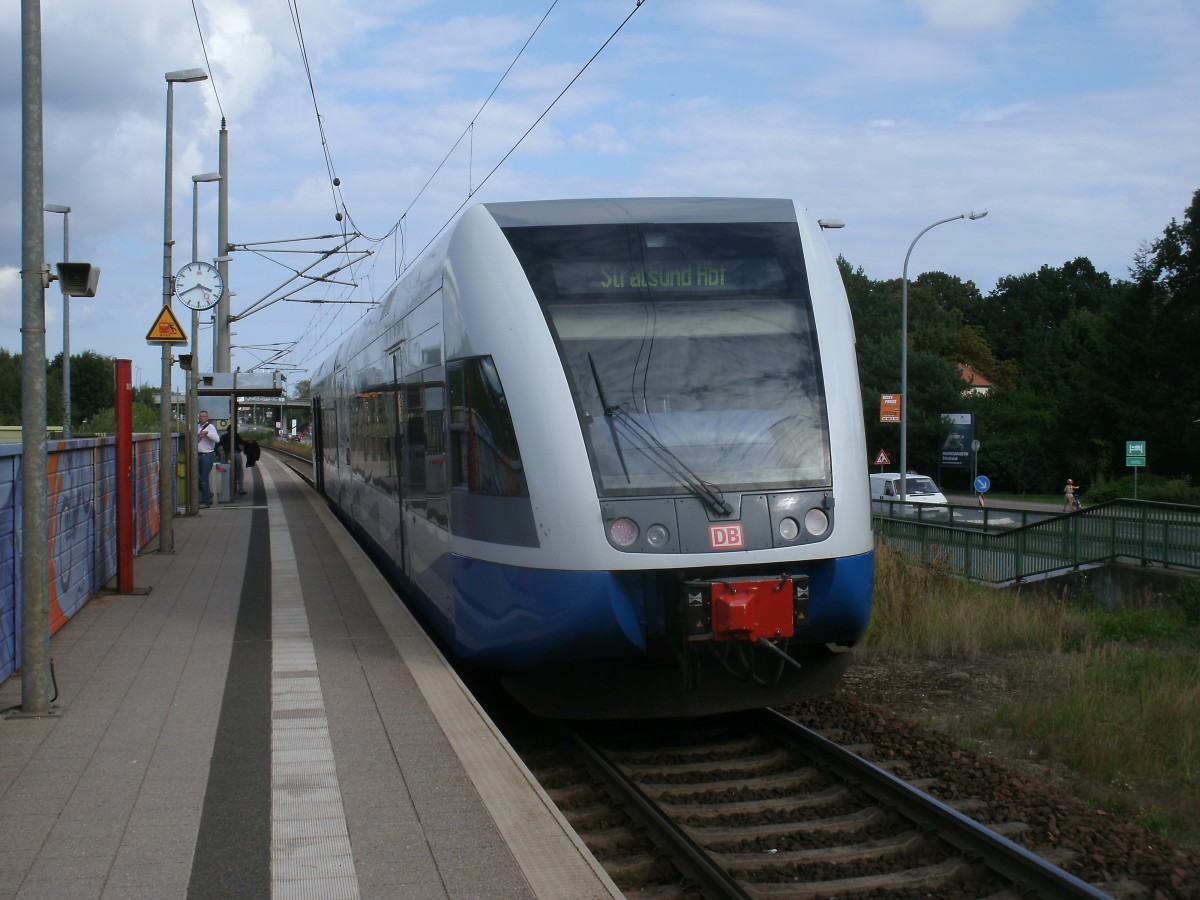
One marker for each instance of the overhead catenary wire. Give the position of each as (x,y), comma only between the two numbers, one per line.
(397,230)
(334,181)
(207,65)
(530,129)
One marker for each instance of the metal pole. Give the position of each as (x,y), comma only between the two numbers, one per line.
(904,348)
(66,336)
(193,460)
(35,573)
(193,501)
(166,540)
(222,361)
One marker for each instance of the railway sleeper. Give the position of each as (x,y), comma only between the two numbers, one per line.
(722,840)
(643,868)
(929,878)
(834,794)
(597,817)
(777,758)
(616,843)
(796,780)
(570,796)
(877,852)
(737,747)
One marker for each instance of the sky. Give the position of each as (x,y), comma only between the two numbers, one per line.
(1073,122)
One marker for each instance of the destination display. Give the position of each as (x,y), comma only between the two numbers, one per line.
(612,277)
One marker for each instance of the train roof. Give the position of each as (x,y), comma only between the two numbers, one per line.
(640,209)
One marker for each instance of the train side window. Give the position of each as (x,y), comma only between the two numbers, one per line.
(484,455)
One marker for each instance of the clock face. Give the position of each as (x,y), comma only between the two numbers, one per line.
(199,285)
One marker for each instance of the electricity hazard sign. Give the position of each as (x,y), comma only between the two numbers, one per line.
(166,329)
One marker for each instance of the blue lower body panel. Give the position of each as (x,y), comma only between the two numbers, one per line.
(519,617)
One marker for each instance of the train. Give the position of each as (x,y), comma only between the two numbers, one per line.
(613,452)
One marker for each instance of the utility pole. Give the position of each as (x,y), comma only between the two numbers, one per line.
(223,361)
(36,681)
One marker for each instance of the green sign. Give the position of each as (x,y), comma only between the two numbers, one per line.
(1135,448)
(1135,461)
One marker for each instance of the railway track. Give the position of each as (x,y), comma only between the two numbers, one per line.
(301,464)
(760,806)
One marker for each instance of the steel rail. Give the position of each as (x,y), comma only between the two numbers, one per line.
(695,863)
(1023,867)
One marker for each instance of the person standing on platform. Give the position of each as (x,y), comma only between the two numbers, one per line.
(206,448)
(236,456)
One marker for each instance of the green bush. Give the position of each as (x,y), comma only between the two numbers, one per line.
(1188,598)
(1149,487)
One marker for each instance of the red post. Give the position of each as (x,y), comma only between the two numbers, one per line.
(123,403)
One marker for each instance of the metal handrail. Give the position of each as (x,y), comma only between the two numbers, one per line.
(1001,545)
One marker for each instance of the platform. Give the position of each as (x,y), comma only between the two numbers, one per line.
(268,721)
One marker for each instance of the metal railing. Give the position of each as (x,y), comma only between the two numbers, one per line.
(1006,545)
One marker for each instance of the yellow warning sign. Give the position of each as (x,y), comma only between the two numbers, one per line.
(166,329)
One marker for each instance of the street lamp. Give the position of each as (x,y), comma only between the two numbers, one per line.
(66,214)
(978,214)
(193,402)
(166,540)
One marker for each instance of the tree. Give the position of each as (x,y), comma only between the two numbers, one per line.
(10,388)
(1162,320)
(91,387)
(935,332)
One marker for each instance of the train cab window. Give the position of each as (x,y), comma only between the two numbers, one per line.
(689,348)
(484,456)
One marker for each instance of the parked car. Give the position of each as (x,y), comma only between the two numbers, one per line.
(922,497)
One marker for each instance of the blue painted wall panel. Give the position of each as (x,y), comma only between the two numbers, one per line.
(81,501)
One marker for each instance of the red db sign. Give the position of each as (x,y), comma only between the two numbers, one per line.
(725,537)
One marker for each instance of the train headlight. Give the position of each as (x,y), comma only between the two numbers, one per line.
(789,528)
(657,536)
(623,532)
(816,522)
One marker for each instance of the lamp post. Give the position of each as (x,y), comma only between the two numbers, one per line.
(193,403)
(978,214)
(66,214)
(166,540)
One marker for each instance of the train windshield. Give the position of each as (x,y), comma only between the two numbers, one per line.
(690,350)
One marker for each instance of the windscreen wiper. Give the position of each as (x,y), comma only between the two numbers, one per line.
(658,452)
(608,415)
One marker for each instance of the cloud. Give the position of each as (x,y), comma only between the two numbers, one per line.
(974,17)
(11,303)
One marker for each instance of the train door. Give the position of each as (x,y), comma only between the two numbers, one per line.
(396,421)
(318,445)
(342,421)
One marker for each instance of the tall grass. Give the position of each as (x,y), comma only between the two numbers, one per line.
(1124,711)
(921,611)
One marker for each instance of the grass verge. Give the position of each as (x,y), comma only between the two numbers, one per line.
(1119,705)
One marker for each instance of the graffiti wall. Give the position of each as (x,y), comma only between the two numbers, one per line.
(81,503)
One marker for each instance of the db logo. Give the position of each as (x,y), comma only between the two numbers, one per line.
(725,537)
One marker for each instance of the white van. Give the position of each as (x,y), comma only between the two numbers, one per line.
(918,489)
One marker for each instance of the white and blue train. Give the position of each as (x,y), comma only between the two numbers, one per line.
(614,450)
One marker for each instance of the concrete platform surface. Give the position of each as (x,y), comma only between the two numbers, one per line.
(268,721)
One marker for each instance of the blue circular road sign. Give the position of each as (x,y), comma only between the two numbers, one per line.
(982,483)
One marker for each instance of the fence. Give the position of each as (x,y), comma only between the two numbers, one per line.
(82,552)
(1002,546)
